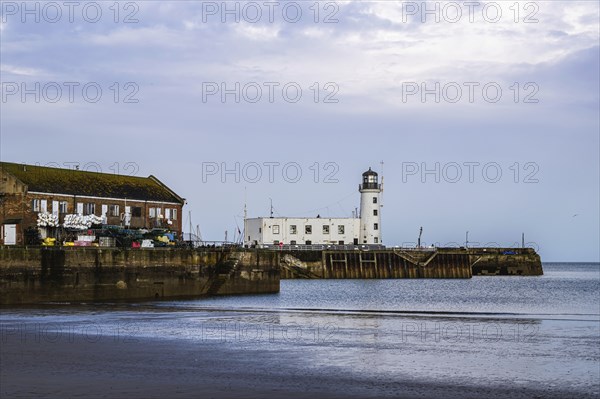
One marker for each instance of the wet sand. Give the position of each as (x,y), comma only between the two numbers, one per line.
(175,368)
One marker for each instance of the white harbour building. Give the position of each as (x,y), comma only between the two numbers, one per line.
(365,229)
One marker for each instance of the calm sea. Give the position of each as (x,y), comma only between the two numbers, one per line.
(565,290)
(539,332)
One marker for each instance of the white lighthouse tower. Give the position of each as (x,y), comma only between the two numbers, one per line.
(370,209)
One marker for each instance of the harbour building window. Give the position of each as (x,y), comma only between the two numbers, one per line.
(374,200)
(114,210)
(341,229)
(308,229)
(293,229)
(136,212)
(35,204)
(89,208)
(325,229)
(376,240)
(174,214)
(276,229)
(374,212)
(375,226)
(63,207)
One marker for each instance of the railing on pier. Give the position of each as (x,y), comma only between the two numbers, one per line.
(379,247)
(320,247)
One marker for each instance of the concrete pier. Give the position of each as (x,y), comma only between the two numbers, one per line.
(505,262)
(37,275)
(410,263)
(75,274)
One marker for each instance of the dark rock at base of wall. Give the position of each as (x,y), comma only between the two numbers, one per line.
(505,262)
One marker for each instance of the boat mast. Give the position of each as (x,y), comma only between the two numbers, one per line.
(245,217)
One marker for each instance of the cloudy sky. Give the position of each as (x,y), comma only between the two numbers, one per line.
(486,116)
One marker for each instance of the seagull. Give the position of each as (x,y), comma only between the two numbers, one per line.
(575,215)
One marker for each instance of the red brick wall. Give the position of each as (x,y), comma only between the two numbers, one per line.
(19,206)
(13,207)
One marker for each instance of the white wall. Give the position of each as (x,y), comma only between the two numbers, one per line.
(368,234)
(269,230)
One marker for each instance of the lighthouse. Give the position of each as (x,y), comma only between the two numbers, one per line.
(362,229)
(370,209)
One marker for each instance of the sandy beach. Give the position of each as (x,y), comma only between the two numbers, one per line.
(153,368)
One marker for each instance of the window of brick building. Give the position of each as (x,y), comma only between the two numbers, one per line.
(89,208)
(114,210)
(35,204)
(136,212)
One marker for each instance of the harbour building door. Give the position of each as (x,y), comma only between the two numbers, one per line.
(10,234)
(127,216)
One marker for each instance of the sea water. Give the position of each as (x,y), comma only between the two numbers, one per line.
(541,332)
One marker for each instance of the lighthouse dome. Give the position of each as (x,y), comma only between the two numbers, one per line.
(369,173)
(369,180)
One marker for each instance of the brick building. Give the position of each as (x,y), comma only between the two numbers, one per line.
(134,202)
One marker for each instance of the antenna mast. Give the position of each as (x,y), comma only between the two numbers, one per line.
(245,217)
(191,229)
(381,183)
(381,202)
(198,234)
(245,208)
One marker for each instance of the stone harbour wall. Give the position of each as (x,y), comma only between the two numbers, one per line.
(38,275)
